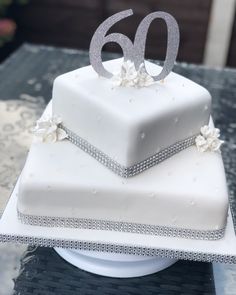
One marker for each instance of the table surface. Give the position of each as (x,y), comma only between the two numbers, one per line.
(25,88)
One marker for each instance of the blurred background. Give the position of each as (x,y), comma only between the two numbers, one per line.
(208,27)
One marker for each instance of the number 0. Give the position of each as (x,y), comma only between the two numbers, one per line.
(172,42)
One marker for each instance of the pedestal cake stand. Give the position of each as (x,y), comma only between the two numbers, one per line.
(113,264)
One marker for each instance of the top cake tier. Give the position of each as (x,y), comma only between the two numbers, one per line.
(128,124)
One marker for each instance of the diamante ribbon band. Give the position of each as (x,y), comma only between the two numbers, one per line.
(117,248)
(132,170)
(120,227)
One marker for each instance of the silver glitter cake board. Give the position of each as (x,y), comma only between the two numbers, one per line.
(11,230)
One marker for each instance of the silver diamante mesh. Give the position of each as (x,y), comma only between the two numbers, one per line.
(116,248)
(132,170)
(120,227)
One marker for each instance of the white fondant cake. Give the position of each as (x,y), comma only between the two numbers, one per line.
(130,124)
(185,195)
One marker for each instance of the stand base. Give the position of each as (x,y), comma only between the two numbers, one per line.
(114,265)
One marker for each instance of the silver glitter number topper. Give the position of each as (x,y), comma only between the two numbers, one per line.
(134,52)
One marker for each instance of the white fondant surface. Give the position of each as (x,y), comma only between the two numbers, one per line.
(130,124)
(186,191)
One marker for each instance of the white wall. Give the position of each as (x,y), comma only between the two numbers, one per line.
(219,32)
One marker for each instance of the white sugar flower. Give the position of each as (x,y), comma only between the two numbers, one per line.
(127,75)
(48,130)
(143,78)
(214,144)
(205,131)
(201,143)
(130,77)
(208,140)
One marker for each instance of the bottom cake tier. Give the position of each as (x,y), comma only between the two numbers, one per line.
(183,196)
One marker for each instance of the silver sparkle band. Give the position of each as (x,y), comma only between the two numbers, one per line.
(116,248)
(139,228)
(132,170)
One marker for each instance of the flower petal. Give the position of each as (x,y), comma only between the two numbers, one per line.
(61,134)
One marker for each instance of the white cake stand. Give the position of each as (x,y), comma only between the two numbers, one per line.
(114,265)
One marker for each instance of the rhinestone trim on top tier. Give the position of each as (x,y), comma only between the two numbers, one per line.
(120,227)
(132,170)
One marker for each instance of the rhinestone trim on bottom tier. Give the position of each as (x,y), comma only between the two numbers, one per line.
(121,227)
(132,170)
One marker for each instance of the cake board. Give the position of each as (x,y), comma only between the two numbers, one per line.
(148,246)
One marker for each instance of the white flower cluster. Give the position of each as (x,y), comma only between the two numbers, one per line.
(129,76)
(47,130)
(209,139)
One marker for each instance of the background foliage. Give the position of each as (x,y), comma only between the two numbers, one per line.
(7,25)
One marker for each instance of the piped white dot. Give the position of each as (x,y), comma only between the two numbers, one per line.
(192,202)
(152,195)
(217,189)
(143,135)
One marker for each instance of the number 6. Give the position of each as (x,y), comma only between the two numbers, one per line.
(134,52)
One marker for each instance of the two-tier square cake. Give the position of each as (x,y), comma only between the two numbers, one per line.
(130,152)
